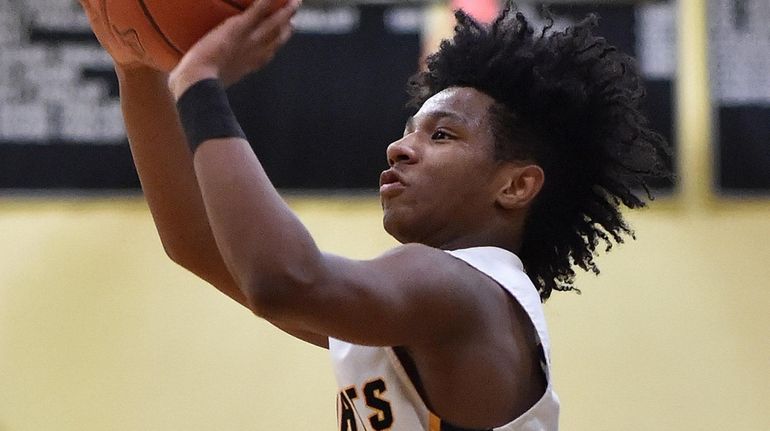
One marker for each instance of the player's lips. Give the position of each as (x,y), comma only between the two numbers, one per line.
(391,183)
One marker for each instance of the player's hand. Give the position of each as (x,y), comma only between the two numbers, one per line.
(125,54)
(240,45)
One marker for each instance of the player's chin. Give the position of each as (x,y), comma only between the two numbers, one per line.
(396,224)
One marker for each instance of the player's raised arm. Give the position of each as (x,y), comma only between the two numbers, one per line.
(444,190)
(162,158)
(276,263)
(164,163)
(524,149)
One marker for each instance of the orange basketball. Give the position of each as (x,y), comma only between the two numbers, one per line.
(161,31)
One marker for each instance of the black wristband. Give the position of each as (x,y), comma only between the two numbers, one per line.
(205,113)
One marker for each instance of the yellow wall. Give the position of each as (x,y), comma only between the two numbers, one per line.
(99,331)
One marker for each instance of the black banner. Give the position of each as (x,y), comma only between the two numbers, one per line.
(319,117)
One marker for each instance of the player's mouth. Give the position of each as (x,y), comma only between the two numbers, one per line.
(391,183)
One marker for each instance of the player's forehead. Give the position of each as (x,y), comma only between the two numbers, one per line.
(461,104)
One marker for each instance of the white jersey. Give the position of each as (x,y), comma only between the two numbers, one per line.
(376,392)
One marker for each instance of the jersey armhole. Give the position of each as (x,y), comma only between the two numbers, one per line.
(406,364)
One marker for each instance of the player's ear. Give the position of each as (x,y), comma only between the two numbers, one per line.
(521,184)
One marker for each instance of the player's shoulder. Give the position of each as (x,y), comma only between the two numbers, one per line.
(420,257)
(477,270)
(485,259)
(412,250)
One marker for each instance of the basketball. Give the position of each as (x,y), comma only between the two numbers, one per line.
(161,31)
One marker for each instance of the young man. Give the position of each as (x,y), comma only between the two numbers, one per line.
(519,157)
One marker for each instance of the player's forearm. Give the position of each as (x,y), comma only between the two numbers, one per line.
(266,248)
(262,243)
(165,168)
(162,160)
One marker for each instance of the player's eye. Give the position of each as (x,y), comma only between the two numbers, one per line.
(440,135)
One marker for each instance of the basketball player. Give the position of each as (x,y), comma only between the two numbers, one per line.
(512,171)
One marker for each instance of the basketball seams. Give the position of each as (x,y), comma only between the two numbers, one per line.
(157,28)
(165,32)
(169,42)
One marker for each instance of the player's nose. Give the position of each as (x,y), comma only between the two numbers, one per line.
(402,151)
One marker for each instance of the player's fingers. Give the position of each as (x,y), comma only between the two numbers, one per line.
(265,37)
(265,55)
(282,37)
(257,11)
(272,27)
(285,12)
(294,5)
(286,34)
(268,51)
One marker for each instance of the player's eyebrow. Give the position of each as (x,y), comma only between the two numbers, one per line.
(436,115)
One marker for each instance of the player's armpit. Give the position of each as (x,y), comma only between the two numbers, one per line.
(321,341)
(214,272)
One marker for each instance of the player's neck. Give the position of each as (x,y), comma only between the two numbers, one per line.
(504,236)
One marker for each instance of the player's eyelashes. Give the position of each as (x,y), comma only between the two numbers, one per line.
(437,135)
(440,135)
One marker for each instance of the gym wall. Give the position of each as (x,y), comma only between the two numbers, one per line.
(99,330)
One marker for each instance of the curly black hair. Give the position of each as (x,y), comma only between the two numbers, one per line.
(568,101)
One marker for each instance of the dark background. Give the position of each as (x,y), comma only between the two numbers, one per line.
(321,115)
(743,148)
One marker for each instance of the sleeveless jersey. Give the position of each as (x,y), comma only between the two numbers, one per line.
(377,394)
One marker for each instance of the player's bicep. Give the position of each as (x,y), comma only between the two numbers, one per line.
(410,296)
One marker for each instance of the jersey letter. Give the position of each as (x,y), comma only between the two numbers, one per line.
(382,419)
(347,410)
